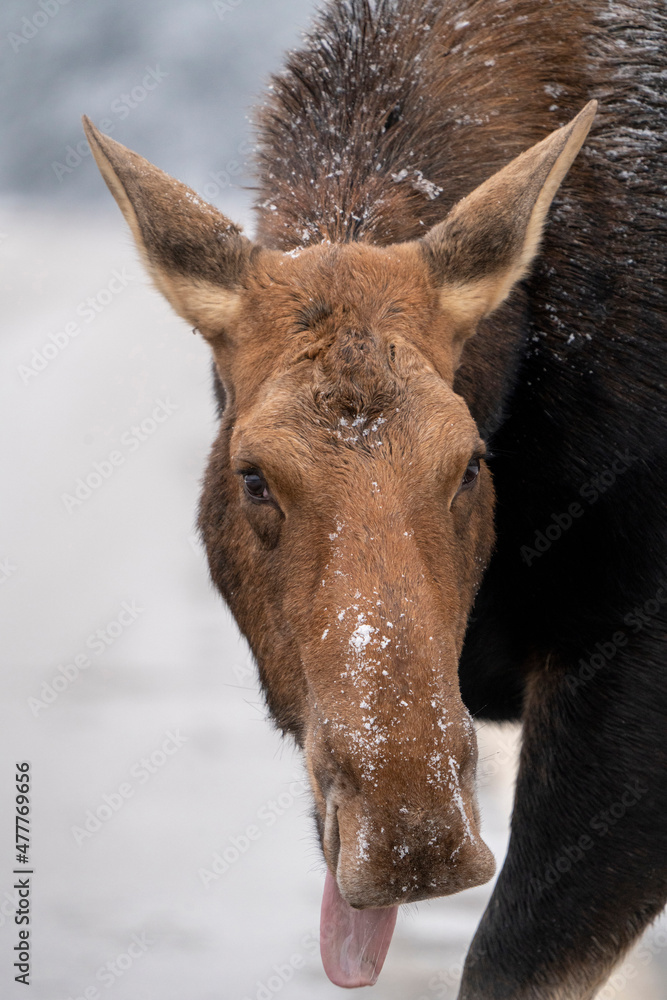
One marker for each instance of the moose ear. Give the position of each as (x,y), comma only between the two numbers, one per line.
(196,256)
(489,239)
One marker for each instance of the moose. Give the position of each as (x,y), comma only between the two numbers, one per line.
(438,489)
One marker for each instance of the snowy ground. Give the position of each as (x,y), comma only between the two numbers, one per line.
(174,672)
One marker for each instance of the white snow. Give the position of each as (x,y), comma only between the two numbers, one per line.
(361,636)
(418,182)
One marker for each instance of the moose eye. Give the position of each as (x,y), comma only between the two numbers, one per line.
(256,487)
(470,475)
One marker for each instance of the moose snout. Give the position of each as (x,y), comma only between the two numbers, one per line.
(391,751)
(403,853)
(396,803)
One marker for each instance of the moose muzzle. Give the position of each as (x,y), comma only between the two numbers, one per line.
(401,827)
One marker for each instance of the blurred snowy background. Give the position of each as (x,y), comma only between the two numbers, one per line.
(124,680)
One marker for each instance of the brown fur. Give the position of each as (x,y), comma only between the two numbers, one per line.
(354,535)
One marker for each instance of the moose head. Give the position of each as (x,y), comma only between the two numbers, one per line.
(348,510)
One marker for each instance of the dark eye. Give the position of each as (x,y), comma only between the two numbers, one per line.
(256,487)
(470,475)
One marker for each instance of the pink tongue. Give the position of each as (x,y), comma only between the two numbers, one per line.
(353,943)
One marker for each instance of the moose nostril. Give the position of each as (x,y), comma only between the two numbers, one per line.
(332,835)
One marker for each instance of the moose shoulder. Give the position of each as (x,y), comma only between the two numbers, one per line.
(371,357)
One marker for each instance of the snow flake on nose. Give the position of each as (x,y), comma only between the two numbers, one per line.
(362,634)
(363,840)
(435,775)
(365,744)
(339,528)
(457,798)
